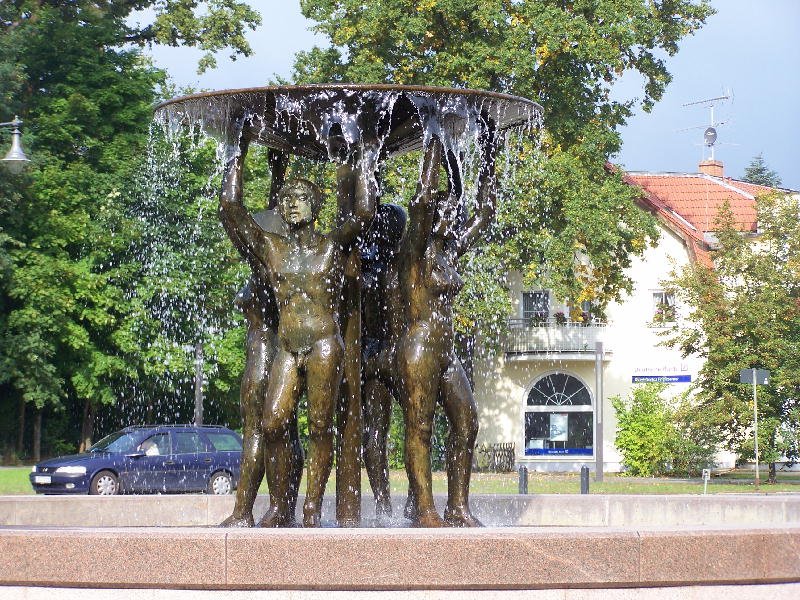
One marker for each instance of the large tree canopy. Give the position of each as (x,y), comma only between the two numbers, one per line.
(212,26)
(565,55)
(568,222)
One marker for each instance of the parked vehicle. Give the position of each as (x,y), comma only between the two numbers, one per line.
(148,459)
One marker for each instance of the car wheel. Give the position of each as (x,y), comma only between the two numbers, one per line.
(220,484)
(105,483)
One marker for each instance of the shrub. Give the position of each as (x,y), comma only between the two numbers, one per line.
(644,431)
(655,438)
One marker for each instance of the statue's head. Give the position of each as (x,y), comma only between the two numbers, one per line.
(381,242)
(299,202)
(389,224)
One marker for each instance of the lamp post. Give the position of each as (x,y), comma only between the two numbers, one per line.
(15,160)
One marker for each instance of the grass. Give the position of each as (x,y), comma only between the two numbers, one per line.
(14,481)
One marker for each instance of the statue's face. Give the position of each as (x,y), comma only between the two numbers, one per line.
(296,205)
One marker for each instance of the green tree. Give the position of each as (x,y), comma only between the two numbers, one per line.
(568,223)
(758,172)
(755,283)
(72,71)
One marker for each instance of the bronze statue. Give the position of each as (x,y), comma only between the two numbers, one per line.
(261,344)
(381,325)
(305,270)
(257,304)
(427,365)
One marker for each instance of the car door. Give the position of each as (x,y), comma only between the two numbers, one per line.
(147,472)
(227,451)
(191,462)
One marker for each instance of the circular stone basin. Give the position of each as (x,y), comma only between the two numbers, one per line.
(301,119)
(733,546)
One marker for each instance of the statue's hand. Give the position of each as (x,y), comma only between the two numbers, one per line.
(237,139)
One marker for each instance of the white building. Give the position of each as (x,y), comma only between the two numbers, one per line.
(541,391)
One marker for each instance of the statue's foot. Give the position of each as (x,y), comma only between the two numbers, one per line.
(460,517)
(234,521)
(428,518)
(312,514)
(277,518)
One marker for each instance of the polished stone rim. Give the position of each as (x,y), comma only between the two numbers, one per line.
(217,111)
(378,87)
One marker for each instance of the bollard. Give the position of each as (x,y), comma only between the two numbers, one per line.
(584,479)
(523,480)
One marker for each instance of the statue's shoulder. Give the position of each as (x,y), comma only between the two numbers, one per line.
(271,221)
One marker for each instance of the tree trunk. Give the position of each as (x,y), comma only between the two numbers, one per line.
(773,475)
(37,436)
(21,428)
(87,426)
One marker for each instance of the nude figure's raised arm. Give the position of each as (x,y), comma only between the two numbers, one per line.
(278,161)
(357,192)
(422,210)
(240,226)
(486,201)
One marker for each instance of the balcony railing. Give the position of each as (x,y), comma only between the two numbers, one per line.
(551,337)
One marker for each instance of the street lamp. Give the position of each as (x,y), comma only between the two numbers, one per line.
(15,160)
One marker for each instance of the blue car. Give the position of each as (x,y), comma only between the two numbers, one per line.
(149,459)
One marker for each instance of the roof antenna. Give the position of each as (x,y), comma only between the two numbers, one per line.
(710,132)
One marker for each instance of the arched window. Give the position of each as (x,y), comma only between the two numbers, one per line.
(559,417)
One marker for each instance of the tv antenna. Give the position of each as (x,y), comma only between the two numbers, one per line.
(710,131)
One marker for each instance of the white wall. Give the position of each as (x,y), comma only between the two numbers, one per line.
(502,383)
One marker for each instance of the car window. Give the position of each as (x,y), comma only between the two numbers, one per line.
(157,445)
(188,442)
(224,441)
(116,442)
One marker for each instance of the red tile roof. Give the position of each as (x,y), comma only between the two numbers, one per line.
(689,203)
(698,198)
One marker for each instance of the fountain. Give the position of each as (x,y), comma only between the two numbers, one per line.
(357,127)
(529,542)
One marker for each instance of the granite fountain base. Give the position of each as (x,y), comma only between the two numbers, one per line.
(564,547)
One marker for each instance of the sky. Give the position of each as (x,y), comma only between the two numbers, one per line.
(749,51)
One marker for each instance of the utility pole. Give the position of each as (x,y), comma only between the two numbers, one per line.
(756,377)
(598,411)
(755,425)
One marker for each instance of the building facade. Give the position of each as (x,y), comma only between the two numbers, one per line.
(548,389)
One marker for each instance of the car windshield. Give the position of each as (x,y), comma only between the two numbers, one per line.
(118,442)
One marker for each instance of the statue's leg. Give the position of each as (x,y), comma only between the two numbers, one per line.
(420,374)
(298,461)
(377,411)
(323,376)
(295,444)
(281,402)
(253,387)
(462,415)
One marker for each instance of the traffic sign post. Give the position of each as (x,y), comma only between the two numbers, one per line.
(756,377)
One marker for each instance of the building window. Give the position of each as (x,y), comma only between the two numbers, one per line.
(663,307)
(559,417)
(535,307)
